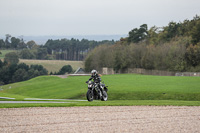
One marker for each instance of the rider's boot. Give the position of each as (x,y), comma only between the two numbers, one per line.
(101,91)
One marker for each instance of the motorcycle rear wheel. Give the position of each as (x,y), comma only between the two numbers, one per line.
(90,95)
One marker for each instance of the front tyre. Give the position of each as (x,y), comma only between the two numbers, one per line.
(105,96)
(90,95)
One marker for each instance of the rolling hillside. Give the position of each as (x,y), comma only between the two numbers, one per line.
(121,87)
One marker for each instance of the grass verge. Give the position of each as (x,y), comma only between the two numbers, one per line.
(107,103)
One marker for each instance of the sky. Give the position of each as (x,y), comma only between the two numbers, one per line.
(90,17)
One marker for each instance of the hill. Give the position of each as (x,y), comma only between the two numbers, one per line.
(121,87)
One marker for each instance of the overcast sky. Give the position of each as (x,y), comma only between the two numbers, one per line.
(90,17)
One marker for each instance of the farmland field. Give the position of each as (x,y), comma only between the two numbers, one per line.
(50,65)
(53,65)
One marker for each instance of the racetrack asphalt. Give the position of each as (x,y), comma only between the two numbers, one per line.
(31,102)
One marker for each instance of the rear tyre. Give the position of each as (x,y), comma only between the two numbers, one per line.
(105,96)
(90,96)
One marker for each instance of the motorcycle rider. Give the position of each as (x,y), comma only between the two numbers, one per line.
(97,79)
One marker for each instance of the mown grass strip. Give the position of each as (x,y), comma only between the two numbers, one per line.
(107,103)
(124,90)
(121,87)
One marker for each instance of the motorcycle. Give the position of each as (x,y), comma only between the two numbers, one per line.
(94,91)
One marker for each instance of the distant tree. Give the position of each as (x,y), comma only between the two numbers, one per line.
(148,59)
(41,53)
(172,30)
(15,42)
(65,69)
(26,54)
(1,63)
(192,55)
(36,73)
(30,44)
(88,62)
(20,75)
(137,35)
(195,33)
(122,58)
(22,44)
(31,73)
(10,73)
(118,62)
(2,43)
(23,66)
(40,70)
(7,41)
(12,68)
(11,58)
(4,75)
(153,35)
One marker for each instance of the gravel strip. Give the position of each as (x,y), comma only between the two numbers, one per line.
(109,119)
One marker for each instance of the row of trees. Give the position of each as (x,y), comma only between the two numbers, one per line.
(36,53)
(175,47)
(157,36)
(11,71)
(73,49)
(63,49)
(15,43)
(172,56)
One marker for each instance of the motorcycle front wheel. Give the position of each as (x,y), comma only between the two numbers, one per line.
(90,95)
(105,96)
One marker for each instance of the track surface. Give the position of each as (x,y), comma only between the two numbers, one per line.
(108,119)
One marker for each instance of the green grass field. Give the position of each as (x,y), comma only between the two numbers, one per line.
(124,89)
(4,52)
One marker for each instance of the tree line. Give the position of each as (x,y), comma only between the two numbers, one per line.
(61,49)
(175,47)
(73,49)
(11,71)
(15,43)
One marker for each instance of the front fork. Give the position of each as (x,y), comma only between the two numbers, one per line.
(101,91)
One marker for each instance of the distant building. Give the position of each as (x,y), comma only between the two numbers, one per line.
(79,71)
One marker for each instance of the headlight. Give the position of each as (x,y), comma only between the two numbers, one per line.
(90,85)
